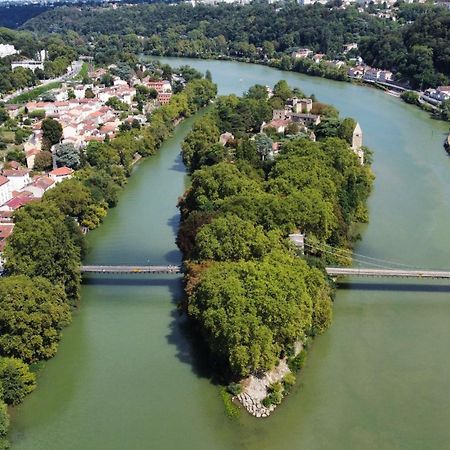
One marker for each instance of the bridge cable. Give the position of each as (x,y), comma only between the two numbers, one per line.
(354,259)
(352,254)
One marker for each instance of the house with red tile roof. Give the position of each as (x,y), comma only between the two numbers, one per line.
(17,202)
(61,174)
(5,231)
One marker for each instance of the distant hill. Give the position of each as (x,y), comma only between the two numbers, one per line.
(17,15)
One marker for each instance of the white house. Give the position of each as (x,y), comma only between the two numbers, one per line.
(5,191)
(302,53)
(17,178)
(30,154)
(7,50)
(60,174)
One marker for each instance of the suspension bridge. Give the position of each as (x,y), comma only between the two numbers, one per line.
(366,266)
(132,269)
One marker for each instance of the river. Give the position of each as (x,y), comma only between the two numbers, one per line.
(129,374)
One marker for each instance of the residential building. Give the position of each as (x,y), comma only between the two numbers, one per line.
(349,47)
(7,50)
(302,53)
(17,202)
(439,94)
(28,64)
(164,97)
(40,185)
(60,174)
(30,155)
(5,191)
(18,178)
(225,138)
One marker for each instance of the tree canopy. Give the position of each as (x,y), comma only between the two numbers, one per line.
(33,312)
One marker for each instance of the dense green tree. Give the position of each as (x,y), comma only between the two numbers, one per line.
(16,379)
(250,311)
(67,155)
(229,238)
(51,133)
(32,314)
(4,425)
(263,145)
(72,198)
(43,245)
(43,161)
(346,128)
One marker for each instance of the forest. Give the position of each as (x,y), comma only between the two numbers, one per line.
(60,55)
(248,290)
(43,256)
(416,47)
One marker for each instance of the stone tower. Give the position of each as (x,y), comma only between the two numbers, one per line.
(357,137)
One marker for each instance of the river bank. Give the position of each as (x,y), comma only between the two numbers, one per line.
(277,64)
(71,222)
(130,374)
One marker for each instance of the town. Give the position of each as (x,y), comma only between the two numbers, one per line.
(93,112)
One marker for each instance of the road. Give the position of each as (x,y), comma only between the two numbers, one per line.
(75,69)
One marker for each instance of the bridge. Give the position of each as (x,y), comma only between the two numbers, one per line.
(131,269)
(333,272)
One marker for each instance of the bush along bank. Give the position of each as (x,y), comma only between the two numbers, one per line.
(255,301)
(43,255)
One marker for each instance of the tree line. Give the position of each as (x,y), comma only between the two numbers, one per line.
(246,288)
(60,54)
(416,46)
(44,253)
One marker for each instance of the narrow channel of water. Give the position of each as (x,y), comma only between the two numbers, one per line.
(126,375)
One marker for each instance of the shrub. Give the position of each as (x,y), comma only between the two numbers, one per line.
(4,424)
(16,379)
(410,97)
(234,388)
(275,395)
(296,363)
(232,411)
(288,382)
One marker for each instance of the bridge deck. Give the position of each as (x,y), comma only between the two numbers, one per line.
(331,271)
(399,273)
(131,269)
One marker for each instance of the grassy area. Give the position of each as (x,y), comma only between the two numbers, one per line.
(7,136)
(231,410)
(83,72)
(34,93)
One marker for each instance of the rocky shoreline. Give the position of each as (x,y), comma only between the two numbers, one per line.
(255,389)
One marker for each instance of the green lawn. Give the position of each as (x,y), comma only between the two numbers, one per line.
(7,136)
(35,93)
(83,72)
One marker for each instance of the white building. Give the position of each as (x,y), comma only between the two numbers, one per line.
(17,178)
(5,191)
(7,50)
(60,174)
(28,64)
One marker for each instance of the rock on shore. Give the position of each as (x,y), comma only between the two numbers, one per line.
(254,389)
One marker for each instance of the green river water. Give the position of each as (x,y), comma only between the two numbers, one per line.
(129,376)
